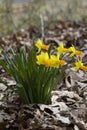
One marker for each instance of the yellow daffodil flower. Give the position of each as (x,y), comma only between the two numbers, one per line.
(40,45)
(79,65)
(55,62)
(43,59)
(74,51)
(61,49)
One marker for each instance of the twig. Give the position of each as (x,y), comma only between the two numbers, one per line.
(42,26)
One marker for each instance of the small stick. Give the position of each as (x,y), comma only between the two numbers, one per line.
(42,27)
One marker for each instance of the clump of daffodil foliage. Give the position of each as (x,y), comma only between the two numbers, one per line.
(38,73)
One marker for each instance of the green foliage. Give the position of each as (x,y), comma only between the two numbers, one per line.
(34,82)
